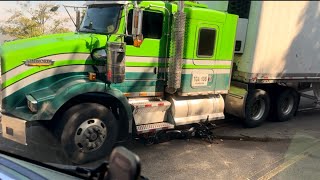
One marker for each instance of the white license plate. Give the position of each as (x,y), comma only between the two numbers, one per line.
(199,80)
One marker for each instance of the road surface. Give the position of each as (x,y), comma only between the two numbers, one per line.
(294,155)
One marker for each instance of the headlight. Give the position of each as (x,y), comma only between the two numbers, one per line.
(32,103)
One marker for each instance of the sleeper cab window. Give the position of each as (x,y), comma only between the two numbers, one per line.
(206,42)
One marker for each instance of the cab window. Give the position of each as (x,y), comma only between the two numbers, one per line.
(206,42)
(151,25)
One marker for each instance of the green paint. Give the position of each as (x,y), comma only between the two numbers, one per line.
(225,27)
(58,64)
(71,90)
(237,91)
(222,82)
(35,70)
(13,99)
(52,96)
(140,86)
(15,52)
(144,64)
(191,66)
(144,75)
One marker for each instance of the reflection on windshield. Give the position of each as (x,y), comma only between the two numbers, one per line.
(101,19)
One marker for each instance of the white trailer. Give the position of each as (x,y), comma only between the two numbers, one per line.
(282,42)
(277,54)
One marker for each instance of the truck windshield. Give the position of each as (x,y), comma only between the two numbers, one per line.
(101,19)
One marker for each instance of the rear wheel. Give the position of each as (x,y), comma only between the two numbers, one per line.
(88,132)
(257,108)
(286,104)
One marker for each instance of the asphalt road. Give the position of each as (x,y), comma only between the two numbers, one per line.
(198,159)
(297,158)
(223,159)
(293,158)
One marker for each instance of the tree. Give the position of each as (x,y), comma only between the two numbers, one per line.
(30,22)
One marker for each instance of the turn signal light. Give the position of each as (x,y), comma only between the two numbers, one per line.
(137,43)
(32,103)
(92,76)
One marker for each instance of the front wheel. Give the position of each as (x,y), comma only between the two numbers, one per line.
(257,108)
(88,132)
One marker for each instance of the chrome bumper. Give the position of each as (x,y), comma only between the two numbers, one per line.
(14,129)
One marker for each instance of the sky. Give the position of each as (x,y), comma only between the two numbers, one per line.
(6,5)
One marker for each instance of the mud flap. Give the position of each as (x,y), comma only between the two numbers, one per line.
(14,129)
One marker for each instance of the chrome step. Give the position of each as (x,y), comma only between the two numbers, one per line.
(146,128)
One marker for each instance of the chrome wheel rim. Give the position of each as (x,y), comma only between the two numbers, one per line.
(258,109)
(90,135)
(286,105)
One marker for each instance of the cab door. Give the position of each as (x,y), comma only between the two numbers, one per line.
(145,64)
(147,60)
(204,57)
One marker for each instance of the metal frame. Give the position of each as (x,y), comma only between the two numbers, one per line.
(116,29)
(315,98)
(273,78)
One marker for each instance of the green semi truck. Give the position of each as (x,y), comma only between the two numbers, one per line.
(139,68)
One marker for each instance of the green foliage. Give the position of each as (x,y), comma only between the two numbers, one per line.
(30,22)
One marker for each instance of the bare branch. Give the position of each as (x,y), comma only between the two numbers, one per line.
(27,22)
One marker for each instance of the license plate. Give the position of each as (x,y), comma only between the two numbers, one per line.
(199,80)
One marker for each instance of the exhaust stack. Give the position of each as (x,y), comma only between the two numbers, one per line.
(177,45)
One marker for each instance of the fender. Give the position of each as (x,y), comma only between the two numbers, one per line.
(71,88)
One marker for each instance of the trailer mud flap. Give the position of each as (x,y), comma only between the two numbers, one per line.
(14,129)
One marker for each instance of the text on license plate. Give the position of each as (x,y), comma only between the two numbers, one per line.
(199,80)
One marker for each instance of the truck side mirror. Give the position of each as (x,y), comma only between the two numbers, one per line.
(137,27)
(124,165)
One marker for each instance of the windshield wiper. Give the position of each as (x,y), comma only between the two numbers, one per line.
(88,27)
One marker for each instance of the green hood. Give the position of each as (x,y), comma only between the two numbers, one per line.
(15,52)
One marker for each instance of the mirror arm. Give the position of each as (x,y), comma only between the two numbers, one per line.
(120,36)
(135,4)
(70,16)
(77,9)
(126,19)
(77,19)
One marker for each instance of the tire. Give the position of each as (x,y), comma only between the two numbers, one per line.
(88,132)
(257,108)
(287,104)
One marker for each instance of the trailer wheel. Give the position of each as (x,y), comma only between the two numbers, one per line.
(287,104)
(257,108)
(88,132)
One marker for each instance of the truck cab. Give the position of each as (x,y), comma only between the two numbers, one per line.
(132,68)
